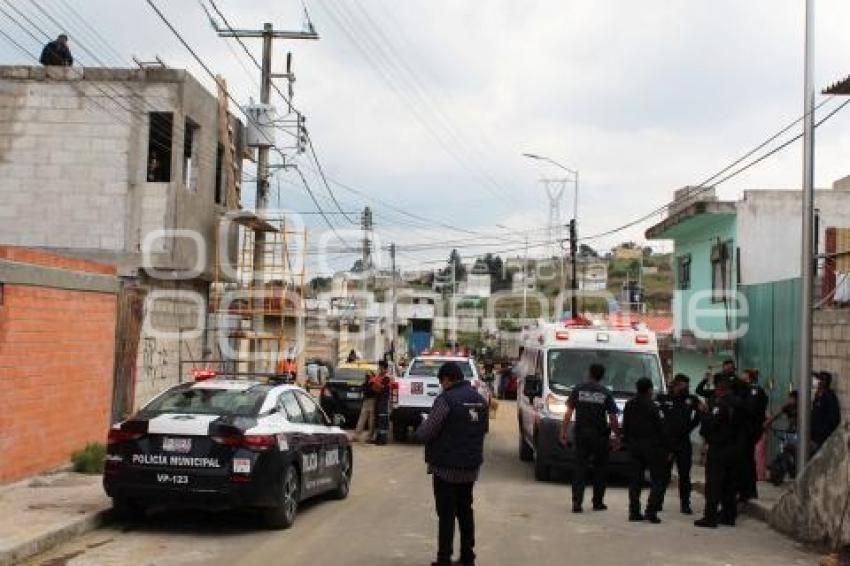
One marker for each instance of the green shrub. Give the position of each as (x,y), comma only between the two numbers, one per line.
(90,459)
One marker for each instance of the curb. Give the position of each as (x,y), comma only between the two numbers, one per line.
(54,538)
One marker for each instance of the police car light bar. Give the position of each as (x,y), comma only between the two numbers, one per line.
(202,374)
(641,339)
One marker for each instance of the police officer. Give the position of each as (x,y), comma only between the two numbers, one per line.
(382,403)
(705,388)
(721,427)
(643,435)
(681,417)
(755,403)
(591,401)
(453,435)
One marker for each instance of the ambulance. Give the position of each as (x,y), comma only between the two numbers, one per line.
(555,358)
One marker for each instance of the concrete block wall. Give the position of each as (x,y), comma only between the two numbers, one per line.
(73,161)
(56,359)
(832,351)
(63,165)
(161,348)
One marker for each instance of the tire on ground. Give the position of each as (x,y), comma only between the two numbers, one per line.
(282,515)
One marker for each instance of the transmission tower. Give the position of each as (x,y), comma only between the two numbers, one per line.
(555,189)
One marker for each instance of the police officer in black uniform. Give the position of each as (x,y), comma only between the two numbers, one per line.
(722,425)
(454,438)
(591,401)
(681,417)
(644,437)
(755,402)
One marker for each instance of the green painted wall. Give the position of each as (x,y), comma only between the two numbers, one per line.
(697,238)
(772,341)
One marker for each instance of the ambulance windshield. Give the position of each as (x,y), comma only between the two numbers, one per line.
(568,367)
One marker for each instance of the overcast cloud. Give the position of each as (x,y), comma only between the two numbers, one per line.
(427,105)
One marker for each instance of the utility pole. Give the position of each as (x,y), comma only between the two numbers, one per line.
(525,281)
(394,328)
(453,332)
(574,282)
(807,253)
(268,34)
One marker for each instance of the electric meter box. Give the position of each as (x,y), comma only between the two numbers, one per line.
(260,129)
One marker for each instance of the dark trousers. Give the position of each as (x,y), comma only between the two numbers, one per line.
(382,419)
(642,459)
(590,447)
(454,501)
(683,458)
(722,470)
(747,487)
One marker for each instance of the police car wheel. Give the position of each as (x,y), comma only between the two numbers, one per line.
(345,471)
(283,514)
(399,431)
(542,470)
(127,509)
(526,454)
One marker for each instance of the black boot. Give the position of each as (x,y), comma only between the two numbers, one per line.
(636,516)
(705,522)
(652,518)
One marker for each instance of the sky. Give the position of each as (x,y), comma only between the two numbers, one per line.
(426,107)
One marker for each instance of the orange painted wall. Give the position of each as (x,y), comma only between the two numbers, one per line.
(56,358)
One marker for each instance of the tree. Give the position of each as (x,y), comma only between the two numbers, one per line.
(457,261)
(586,251)
(647,251)
(320,283)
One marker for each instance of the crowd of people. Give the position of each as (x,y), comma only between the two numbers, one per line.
(730,411)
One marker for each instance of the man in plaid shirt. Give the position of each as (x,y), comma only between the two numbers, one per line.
(453,435)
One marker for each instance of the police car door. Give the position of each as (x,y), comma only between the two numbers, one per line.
(301,441)
(326,445)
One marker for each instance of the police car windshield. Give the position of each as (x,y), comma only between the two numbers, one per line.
(568,368)
(208,401)
(430,367)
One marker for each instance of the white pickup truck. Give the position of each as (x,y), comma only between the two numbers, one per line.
(415,391)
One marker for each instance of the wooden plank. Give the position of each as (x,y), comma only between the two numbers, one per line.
(225,134)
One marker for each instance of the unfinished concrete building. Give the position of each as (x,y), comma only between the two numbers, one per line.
(132,167)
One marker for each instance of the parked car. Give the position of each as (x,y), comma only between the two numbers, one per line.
(414,393)
(342,394)
(225,442)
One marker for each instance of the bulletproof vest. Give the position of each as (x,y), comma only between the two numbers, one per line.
(679,411)
(590,402)
(459,445)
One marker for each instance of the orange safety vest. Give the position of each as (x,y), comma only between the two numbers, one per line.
(286,366)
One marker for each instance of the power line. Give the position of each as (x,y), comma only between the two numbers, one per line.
(323,177)
(712,179)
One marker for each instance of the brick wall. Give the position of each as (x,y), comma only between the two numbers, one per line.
(832,351)
(56,356)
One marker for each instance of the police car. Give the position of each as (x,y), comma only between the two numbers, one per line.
(223,442)
(413,394)
(555,358)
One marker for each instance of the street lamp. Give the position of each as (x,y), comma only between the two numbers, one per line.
(573,226)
